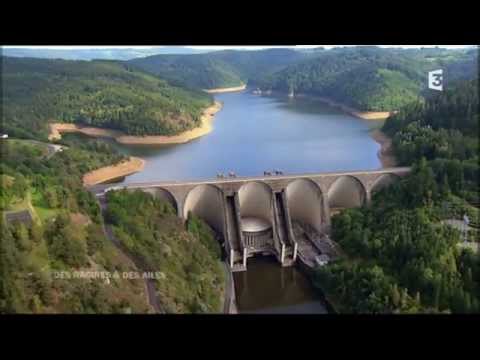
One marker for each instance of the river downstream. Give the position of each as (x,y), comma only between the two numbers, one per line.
(267,288)
(253,134)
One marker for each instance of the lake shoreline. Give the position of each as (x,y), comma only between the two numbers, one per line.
(226,90)
(365,115)
(385,154)
(56,129)
(133,164)
(106,173)
(205,128)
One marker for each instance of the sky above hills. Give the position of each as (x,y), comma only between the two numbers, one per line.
(215,47)
(128,52)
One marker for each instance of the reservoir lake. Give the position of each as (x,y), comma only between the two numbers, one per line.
(252,134)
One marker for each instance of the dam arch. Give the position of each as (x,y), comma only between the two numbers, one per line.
(206,202)
(305,202)
(217,201)
(162,194)
(346,192)
(256,201)
(382,182)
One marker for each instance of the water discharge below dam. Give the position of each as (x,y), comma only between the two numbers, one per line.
(267,288)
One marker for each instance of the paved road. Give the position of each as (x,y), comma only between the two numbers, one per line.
(52,149)
(457,224)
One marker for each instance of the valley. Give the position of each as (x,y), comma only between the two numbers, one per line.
(268,115)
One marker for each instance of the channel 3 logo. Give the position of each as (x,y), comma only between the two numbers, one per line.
(435,80)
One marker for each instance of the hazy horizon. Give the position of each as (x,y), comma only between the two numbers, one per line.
(217,47)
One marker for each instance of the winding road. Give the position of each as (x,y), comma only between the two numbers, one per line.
(149,283)
(229,298)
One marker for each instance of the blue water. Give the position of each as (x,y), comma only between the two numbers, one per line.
(253,134)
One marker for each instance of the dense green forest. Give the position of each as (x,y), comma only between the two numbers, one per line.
(54,179)
(444,130)
(65,235)
(218,69)
(96,93)
(122,95)
(367,78)
(194,71)
(193,280)
(370,78)
(401,256)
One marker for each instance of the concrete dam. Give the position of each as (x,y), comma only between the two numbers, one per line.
(263,215)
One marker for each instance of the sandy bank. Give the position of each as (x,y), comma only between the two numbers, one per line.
(206,126)
(225,90)
(385,154)
(56,130)
(372,115)
(366,115)
(128,167)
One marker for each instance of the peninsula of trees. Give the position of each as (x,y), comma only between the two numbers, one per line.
(162,94)
(102,94)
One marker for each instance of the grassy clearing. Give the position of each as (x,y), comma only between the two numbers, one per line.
(39,206)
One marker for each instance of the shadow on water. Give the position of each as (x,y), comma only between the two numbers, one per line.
(307,106)
(268,288)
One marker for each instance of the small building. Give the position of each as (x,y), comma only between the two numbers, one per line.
(22,216)
(4,136)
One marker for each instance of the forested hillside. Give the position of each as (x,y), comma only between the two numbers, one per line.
(39,258)
(402,256)
(444,130)
(202,71)
(370,78)
(192,278)
(65,235)
(366,78)
(96,93)
(218,69)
